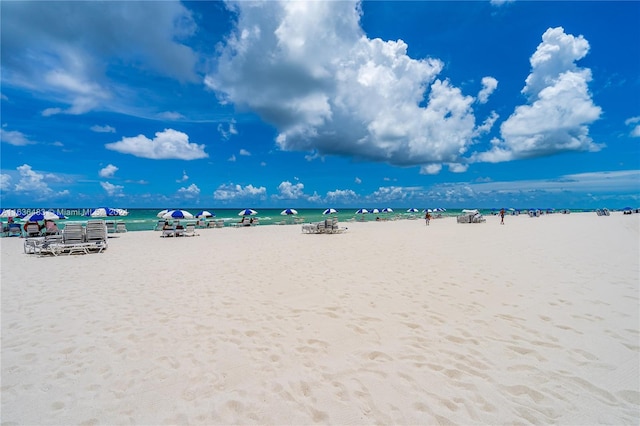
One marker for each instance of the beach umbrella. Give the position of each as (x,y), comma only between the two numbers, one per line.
(38,216)
(288,212)
(387,210)
(362,211)
(178,214)
(9,213)
(122,212)
(412,210)
(102,212)
(247,212)
(204,213)
(330,211)
(161,213)
(375,211)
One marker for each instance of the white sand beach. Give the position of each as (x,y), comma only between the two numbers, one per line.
(536,321)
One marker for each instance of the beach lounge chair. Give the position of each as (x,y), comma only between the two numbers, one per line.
(160,225)
(335,228)
(310,228)
(73,241)
(190,230)
(96,232)
(178,230)
(111,226)
(245,221)
(121,227)
(32,230)
(470,216)
(168,233)
(14,230)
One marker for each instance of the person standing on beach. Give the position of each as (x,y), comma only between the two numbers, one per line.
(427,217)
(501,216)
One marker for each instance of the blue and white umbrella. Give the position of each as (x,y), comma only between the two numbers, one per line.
(103,212)
(412,210)
(330,211)
(38,216)
(287,212)
(204,213)
(178,214)
(387,210)
(362,211)
(9,213)
(247,212)
(375,211)
(161,213)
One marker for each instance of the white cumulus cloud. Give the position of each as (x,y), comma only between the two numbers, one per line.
(190,191)
(560,107)
(309,69)
(290,191)
(112,190)
(489,85)
(5,182)
(108,171)
(168,144)
(232,192)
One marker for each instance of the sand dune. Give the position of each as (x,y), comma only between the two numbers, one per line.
(535,321)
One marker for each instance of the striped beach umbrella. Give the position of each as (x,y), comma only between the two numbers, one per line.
(330,211)
(247,212)
(204,213)
(178,214)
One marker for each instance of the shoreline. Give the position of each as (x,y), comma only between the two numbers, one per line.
(390,322)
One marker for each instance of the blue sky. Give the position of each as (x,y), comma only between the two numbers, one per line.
(316,104)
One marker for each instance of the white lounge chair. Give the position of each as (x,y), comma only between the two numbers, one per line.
(14,230)
(111,226)
(121,227)
(179,230)
(96,233)
(32,230)
(190,230)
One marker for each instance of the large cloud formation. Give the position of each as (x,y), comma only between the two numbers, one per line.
(559,104)
(308,68)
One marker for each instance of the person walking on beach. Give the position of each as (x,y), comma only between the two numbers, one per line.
(501,216)
(427,217)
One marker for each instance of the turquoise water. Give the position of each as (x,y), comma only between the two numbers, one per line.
(146,219)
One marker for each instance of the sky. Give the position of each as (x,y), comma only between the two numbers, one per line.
(315,104)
